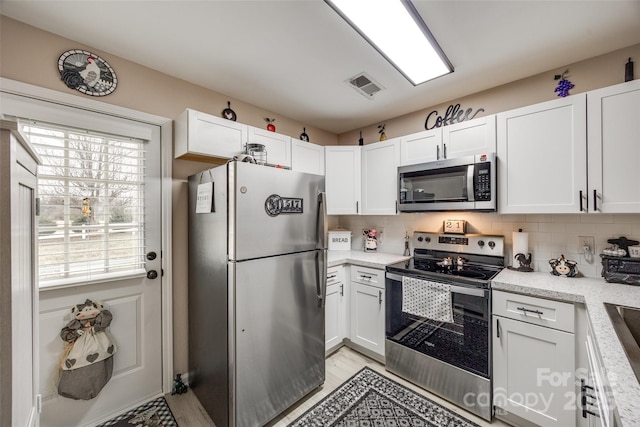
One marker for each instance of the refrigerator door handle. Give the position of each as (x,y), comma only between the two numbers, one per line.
(321,222)
(321,277)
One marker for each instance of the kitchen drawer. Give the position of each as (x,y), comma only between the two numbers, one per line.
(335,275)
(367,276)
(538,311)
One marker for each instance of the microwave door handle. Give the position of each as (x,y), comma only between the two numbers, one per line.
(471,194)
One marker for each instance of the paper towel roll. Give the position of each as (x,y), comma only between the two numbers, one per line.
(520,243)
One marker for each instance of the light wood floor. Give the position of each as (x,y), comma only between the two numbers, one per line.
(340,366)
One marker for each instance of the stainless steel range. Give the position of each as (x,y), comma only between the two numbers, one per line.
(438,316)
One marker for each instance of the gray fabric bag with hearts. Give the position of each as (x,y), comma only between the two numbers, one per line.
(86,364)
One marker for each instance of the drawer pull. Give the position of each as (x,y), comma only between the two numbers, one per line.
(528,310)
(331,276)
(364,276)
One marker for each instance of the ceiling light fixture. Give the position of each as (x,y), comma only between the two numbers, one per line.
(396,30)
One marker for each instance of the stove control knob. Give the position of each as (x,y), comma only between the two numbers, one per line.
(420,239)
(492,244)
(481,243)
(427,239)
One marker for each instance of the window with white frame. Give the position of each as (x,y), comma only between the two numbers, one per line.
(91,190)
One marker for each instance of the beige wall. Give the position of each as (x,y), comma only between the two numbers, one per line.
(594,73)
(30,55)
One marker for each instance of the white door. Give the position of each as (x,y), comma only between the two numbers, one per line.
(613,129)
(380,163)
(99,239)
(342,179)
(542,157)
(367,317)
(534,372)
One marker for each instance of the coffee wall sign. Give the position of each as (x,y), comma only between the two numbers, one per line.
(453,115)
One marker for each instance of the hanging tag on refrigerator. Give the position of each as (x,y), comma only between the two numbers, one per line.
(204,199)
(204,202)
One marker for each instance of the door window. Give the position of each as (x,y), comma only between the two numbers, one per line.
(91,190)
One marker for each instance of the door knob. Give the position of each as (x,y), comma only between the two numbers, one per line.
(152,274)
(151,256)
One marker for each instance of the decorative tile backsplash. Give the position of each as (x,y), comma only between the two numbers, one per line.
(549,235)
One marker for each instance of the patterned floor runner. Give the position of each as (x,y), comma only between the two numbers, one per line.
(152,414)
(372,400)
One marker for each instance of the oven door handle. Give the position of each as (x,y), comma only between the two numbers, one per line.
(476,292)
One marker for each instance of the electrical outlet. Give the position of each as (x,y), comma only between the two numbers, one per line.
(586,245)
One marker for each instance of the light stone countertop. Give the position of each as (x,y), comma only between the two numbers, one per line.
(592,293)
(363,259)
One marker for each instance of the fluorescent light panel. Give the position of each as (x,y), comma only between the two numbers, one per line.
(392,29)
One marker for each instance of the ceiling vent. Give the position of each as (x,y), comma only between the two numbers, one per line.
(365,85)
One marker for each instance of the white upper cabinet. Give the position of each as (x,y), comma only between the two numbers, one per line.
(278,146)
(342,179)
(542,157)
(200,136)
(380,163)
(477,136)
(614,148)
(307,157)
(421,147)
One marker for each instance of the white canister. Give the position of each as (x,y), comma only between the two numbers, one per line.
(634,251)
(339,240)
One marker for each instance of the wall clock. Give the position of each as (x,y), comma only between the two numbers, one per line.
(87,73)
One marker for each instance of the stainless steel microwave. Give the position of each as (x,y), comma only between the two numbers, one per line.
(459,184)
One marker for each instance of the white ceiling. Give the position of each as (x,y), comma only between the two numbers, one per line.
(292,57)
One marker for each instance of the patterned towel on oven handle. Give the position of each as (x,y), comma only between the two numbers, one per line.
(428,299)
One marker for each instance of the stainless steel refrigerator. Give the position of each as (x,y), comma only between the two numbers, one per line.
(257,286)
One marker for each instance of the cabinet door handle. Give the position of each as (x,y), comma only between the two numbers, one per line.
(379,297)
(357,207)
(341,289)
(528,310)
(497,328)
(580,196)
(437,152)
(444,156)
(595,201)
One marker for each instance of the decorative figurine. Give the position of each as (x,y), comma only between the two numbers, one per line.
(563,267)
(270,126)
(383,136)
(179,387)
(564,85)
(628,71)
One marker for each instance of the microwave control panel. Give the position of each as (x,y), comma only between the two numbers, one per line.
(482,182)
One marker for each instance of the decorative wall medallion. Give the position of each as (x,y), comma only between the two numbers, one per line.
(304,136)
(87,73)
(228,113)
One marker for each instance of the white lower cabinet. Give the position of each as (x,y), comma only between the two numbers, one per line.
(335,308)
(367,309)
(534,369)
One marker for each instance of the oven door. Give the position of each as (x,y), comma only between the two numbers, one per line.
(464,343)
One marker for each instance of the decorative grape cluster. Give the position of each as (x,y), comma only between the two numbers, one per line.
(563,87)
